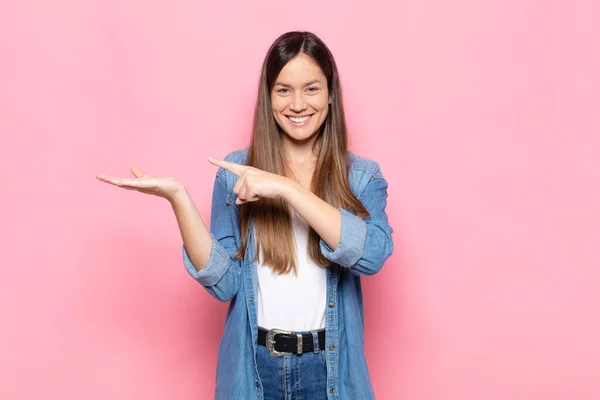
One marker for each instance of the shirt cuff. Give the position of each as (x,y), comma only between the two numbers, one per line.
(353,237)
(218,264)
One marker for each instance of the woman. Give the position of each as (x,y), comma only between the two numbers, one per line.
(296,220)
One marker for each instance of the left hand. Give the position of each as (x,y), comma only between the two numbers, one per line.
(254,183)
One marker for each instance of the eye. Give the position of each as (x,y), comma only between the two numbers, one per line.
(282,90)
(312,89)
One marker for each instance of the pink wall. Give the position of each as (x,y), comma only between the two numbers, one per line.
(485,119)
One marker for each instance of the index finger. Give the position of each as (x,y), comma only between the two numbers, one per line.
(237,169)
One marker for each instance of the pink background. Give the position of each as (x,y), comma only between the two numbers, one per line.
(483,115)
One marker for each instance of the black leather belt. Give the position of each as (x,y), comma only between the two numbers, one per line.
(283,343)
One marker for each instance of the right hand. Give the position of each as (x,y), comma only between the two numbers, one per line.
(161,186)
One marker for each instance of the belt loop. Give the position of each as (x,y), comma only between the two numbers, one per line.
(315,336)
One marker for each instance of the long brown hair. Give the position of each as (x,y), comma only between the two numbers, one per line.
(272,219)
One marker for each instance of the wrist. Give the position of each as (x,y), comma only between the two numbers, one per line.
(180,194)
(291,191)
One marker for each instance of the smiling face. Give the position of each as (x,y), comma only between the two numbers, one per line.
(300,99)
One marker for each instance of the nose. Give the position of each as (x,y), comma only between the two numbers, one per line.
(297,102)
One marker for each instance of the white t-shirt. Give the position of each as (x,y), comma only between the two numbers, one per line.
(293,303)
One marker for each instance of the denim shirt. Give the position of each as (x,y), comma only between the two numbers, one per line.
(363,248)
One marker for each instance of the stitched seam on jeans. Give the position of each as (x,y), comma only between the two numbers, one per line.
(297,376)
(323,356)
(284,378)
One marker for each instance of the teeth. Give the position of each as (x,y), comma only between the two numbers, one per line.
(298,120)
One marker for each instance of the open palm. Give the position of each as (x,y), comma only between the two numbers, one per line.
(162,186)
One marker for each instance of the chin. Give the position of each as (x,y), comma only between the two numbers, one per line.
(298,138)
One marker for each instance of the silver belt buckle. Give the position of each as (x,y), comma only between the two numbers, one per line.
(271,342)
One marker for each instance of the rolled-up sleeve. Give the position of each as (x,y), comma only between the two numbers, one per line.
(366,244)
(218,264)
(221,276)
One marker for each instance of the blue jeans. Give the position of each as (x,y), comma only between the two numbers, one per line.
(293,377)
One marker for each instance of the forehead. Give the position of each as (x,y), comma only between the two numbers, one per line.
(299,69)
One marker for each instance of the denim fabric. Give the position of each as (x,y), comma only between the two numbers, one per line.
(364,247)
(293,377)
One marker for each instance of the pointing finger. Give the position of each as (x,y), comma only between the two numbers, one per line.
(237,169)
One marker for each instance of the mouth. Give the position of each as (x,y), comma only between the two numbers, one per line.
(299,121)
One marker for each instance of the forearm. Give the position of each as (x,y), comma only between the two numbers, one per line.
(325,219)
(196,236)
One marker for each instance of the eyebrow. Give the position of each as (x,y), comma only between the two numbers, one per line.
(307,84)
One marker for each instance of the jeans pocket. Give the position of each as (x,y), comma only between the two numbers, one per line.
(323,357)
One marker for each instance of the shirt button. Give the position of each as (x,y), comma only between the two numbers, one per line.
(331,347)
(330,305)
(251,299)
(332,390)
(257,383)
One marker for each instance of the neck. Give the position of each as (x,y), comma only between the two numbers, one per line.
(299,152)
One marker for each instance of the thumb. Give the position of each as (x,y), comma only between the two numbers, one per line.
(138,173)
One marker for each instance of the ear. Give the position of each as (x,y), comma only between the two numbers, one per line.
(329,99)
